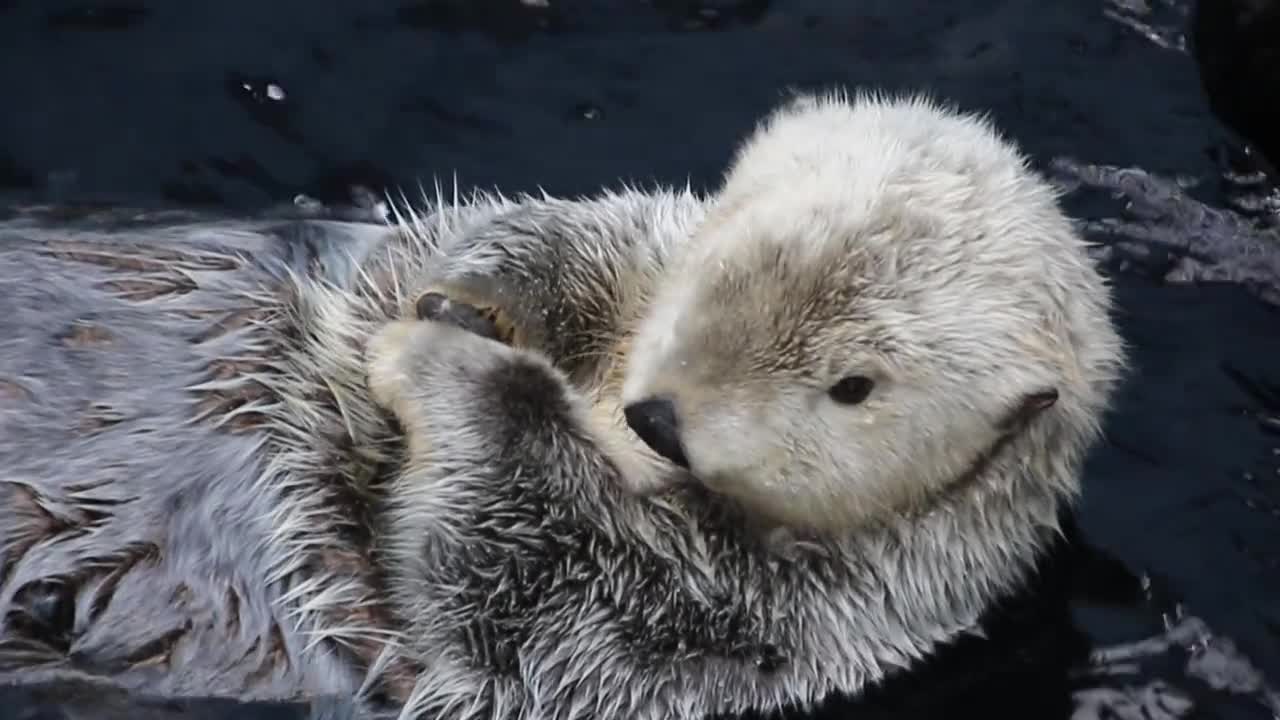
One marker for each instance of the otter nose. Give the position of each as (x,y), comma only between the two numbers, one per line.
(654,420)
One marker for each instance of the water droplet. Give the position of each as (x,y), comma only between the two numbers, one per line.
(265,101)
(587,111)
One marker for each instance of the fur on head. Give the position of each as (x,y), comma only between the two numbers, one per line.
(881,294)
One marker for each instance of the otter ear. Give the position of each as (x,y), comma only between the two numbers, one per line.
(1028,407)
(1040,400)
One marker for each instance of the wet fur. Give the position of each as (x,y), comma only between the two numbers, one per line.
(159,391)
(242,518)
(910,227)
(194,468)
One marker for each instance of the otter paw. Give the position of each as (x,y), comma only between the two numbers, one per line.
(384,361)
(487,321)
(411,354)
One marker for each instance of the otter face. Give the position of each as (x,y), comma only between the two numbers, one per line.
(817,392)
(835,346)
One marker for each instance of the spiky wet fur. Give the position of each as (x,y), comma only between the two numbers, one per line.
(184,478)
(589,600)
(193,468)
(202,496)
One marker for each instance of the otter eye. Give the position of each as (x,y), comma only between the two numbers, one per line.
(851,390)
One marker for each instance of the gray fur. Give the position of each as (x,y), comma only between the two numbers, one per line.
(185,433)
(201,470)
(125,502)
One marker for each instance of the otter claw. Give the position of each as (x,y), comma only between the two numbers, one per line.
(484,322)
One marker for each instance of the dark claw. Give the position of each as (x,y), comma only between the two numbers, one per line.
(434,306)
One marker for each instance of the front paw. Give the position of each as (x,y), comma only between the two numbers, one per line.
(487,320)
(408,356)
(386,363)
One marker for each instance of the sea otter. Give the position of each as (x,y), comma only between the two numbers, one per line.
(855,398)
(309,491)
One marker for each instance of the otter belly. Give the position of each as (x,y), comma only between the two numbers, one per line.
(137,533)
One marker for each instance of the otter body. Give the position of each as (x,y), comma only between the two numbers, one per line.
(239,469)
(195,471)
(854,396)
(148,534)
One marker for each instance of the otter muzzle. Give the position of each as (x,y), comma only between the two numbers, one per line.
(654,421)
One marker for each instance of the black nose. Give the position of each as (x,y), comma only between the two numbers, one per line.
(654,420)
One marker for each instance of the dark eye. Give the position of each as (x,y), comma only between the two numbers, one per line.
(851,390)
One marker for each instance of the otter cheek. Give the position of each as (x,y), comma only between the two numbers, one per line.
(749,465)
(712,455)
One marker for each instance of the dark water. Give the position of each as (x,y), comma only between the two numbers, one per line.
(241,103)
(172,99)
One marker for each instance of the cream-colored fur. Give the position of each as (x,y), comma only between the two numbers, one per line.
(896,240)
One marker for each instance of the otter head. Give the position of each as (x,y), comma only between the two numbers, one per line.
(882,303)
